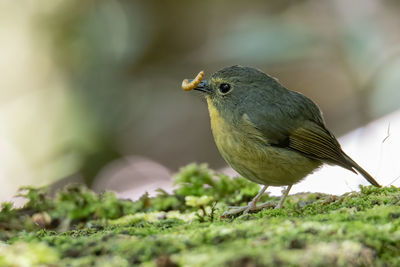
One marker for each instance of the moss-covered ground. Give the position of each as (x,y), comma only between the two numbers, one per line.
(77,227)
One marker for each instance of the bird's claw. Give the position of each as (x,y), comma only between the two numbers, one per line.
(251,207)
(233,211)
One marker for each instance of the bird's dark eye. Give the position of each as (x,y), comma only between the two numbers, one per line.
(224,88)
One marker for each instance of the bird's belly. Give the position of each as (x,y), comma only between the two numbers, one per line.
(260,163)
(267,165)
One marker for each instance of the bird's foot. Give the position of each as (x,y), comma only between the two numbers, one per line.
(251,207)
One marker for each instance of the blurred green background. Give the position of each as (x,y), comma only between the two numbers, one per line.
(88,83)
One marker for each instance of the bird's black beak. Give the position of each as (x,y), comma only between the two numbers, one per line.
(203,87)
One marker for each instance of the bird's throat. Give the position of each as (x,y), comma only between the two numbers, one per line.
(213,111)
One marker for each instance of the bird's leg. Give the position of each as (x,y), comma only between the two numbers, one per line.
(250,206)
(285,194)
(281,201)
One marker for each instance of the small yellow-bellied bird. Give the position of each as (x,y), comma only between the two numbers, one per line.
(267,133)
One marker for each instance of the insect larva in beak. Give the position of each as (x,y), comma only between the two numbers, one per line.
(188,86)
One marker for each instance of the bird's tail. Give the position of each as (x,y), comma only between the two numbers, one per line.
(363,172)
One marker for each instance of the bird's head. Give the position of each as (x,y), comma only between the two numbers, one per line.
(235,89)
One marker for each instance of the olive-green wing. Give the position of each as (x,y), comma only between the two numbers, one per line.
(294,122)
(316,142)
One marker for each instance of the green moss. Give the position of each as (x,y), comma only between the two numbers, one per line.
(28,254)
(77,227)
(199,181)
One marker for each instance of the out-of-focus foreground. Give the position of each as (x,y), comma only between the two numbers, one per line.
(91,89)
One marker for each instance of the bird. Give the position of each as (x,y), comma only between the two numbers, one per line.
(267,133)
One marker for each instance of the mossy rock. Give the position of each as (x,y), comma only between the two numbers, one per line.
(77,227)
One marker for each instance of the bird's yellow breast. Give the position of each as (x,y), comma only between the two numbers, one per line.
(252,157)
